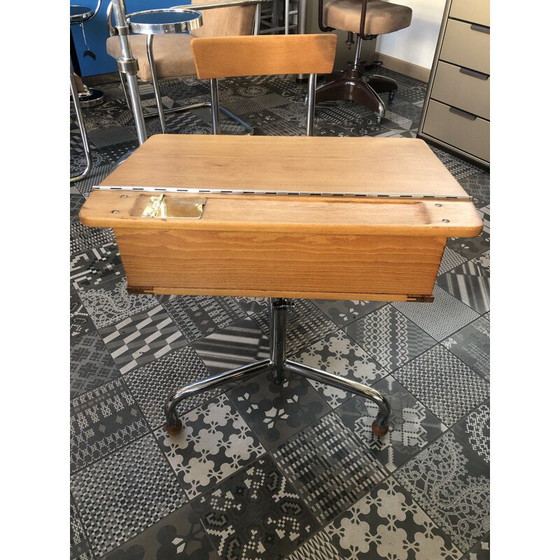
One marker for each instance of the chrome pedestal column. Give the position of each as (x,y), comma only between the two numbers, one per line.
(278,366)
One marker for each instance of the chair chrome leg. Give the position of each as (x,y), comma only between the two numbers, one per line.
(155,82)
(82,127)
(381,424)
(173,423)
(278,365)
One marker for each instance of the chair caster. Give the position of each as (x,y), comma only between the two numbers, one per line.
(392,95)
(377,430)
(173,429)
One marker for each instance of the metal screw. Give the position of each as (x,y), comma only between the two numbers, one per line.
(115,211)
(124,196)
(445,221)
(439,205)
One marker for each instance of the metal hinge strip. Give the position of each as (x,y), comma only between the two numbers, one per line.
(286,193)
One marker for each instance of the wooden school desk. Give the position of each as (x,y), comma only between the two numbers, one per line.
(282,217)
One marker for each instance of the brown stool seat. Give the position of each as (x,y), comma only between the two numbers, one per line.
(172,53)
(381,17)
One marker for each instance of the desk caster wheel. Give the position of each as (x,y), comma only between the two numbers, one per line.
(377,430)
(173,429)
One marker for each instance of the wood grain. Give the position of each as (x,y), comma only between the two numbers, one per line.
(264,55)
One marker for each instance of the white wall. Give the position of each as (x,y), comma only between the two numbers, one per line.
(415,44)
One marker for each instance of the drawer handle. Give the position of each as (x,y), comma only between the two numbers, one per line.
(463,114)
(474,73)
(480,28)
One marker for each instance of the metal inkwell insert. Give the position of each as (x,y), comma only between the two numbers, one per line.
(164,206)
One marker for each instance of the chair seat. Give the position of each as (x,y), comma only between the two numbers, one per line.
(381,17)
(172,54)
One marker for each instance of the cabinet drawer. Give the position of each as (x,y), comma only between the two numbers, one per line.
(475,11)
(470,134)
(466,45)
(462,88)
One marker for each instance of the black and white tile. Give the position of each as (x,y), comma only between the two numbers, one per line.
(329,466)
(385,524)
(275,412)
(142,338)
(215,443)
(446,385)
(139,488)
(152,383)
(390,337)
(472,345)
(451,483)
(412,425)
(339,354)
(255,514)
(102,421)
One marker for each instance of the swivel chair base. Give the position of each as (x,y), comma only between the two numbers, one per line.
(351,85)
(277,365)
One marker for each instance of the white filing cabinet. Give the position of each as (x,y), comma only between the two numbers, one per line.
(456,113)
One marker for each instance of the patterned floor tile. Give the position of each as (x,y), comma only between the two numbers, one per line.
(452,485)
(480,551)
(386,524)
(76,202)
(112,303)
(198,317)
(80,321)
(90,364)
(153,383)
(442,317)
(470,247)
(474,429)
(477,185)
(238,344)
(340,355)
(215,443)
(83,238)
(328,466)
(469,283)
(306,324)
(139,488)
(179,536)
(252,305)
(137,340)
(472,345)
(448,387)
(344,312)
(103,420)
(276,412)
(450,260)
(79,546)
(96,266)
(389,337)
(411,425)
(255,514)
(98,173)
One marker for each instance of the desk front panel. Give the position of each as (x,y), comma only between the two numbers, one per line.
(262,264)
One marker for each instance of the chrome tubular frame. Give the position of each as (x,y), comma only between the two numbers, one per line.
(128,65)
(82,127)
(278,365)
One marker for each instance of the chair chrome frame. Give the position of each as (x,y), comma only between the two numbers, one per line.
(161,112)
(278,366)
(82,127)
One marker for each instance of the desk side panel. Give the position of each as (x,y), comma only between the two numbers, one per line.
(368,267)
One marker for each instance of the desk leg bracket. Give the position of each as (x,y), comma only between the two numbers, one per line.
(278,366)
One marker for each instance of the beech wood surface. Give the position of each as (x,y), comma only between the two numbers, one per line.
(286,246)
(264,55)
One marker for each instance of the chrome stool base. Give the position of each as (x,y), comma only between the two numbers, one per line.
(91,97)
(278,366)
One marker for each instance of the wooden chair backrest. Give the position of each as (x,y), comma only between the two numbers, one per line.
(264,55)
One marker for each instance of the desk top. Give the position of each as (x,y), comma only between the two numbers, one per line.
(428,200)
(288,163)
